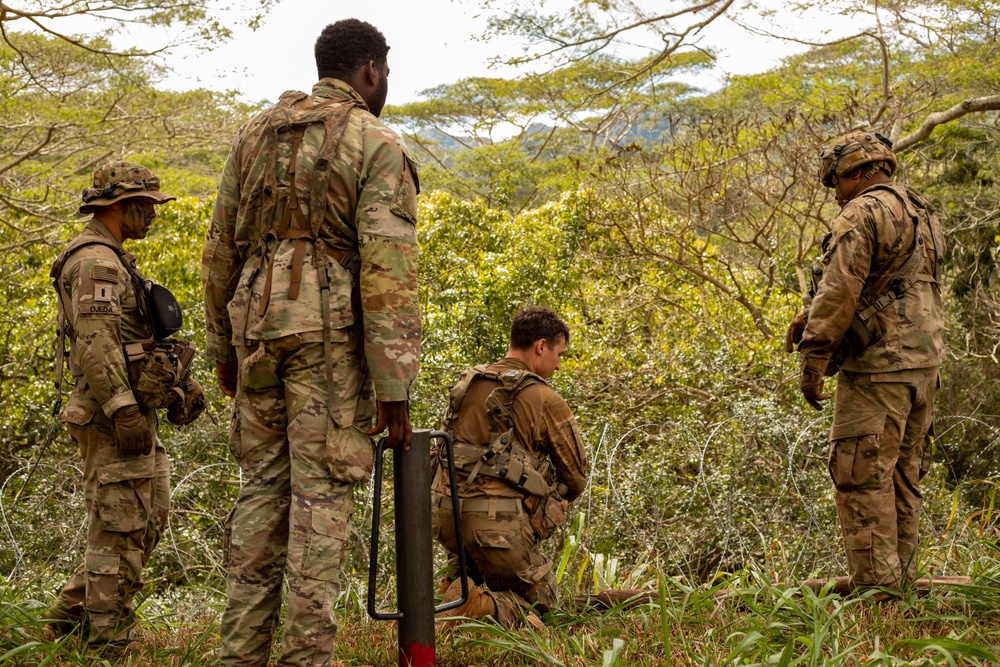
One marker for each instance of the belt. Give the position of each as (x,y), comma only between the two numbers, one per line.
(487,505)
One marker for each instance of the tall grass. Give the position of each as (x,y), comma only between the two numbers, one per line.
(715,521)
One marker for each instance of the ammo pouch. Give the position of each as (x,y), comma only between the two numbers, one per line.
(190,402)
(548,514)
(155,375)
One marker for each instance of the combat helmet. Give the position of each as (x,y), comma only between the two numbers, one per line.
(120,180)
(853,150)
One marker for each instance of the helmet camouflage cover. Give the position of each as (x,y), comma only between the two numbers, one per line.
(853,150)
(120,180)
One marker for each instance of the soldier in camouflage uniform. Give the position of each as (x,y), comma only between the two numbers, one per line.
(877,314)
(126,471)
(503,523)
(310,275)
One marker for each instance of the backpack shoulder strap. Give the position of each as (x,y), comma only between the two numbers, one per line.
(62,324)
(501,400)
(909,273)
(461,388)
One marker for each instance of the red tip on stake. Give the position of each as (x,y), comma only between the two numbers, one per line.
(417,655)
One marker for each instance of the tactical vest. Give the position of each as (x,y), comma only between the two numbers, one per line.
(865,329)
(168,360)
(503,457)
(295,112)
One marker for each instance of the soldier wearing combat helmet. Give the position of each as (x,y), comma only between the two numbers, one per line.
(114,327)
(876,314)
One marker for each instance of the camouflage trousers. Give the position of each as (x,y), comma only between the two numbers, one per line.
(128,502)
(292,518)
(880,450)
(502,551)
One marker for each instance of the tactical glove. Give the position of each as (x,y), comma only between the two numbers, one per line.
(795,330)
(811,384)
(132,431)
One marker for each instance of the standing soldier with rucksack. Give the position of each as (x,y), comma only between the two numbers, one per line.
(310,275)
(124,366)
(520,461)
(877,317)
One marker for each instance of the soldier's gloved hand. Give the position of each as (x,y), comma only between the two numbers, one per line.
(795,330)
(811,384)
(132,431)
(228,374)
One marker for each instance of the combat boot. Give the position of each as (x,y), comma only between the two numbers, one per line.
(443,588)
(63,621)
(479,605)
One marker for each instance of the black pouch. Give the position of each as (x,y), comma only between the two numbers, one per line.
(862,333)
(164,310)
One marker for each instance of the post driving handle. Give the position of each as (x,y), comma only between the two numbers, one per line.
(373,553)
(456,512)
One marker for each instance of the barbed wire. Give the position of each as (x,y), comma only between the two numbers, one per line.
(718,516)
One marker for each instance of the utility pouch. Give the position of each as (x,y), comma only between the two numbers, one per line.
(164,310)
(163,369)
(862,333)
(190,402)
(549,515)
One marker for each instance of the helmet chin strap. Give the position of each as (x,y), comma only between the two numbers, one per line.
(867,176)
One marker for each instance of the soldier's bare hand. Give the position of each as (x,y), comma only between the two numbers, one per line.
(132,431)
(811,384)
(395,416)
(795,330)
(227,372)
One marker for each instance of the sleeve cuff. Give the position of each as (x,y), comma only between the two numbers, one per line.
(217,349)
(393,390)
(815,364)
(119,401)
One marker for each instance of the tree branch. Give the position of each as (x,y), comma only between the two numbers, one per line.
(989,103)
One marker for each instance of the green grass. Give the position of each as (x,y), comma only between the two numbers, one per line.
(757,623)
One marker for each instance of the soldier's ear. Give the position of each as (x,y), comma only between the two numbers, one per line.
(371,72)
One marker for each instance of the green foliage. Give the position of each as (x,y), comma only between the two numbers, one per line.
(674,230)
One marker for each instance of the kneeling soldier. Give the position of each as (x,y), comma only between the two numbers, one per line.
(520,461)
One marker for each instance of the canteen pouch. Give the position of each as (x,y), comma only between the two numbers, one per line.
(190,402)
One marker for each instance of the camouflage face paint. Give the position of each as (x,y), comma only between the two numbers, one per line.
(137,217)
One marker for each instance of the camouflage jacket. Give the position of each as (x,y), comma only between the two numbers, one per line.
(365,210)
(543,423)
(872,238)
(102,308)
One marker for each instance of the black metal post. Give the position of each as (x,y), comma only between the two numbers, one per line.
(414,552)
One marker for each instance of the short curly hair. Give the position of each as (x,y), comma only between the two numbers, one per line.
(343,47)
(533,323)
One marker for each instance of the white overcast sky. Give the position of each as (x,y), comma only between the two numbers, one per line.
(432,42)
